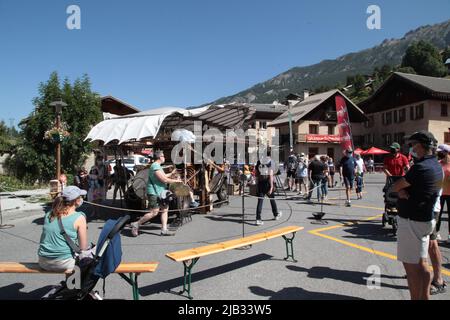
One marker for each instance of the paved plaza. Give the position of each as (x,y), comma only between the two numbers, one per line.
(338,258)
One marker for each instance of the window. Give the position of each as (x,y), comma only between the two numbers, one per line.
(447,137)
(387,139)
(253,125)
(444,110)
(411,113)
(383,117)
(263,125)
(313,129)
(402,115)
(331,129)
(388,118)
(419,112)
(370,123)
(395,116)
(400,138)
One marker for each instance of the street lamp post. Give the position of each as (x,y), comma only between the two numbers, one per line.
(58,105)
(291,137)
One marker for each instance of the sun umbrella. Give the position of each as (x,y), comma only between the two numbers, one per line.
(359,151)
(374,151)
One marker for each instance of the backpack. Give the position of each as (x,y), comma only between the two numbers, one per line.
(292,163)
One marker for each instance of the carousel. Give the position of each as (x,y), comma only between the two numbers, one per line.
(163,129)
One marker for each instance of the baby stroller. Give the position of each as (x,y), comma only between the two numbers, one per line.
(94,268)
(390,204)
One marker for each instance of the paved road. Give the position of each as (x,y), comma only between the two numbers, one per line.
(333,263)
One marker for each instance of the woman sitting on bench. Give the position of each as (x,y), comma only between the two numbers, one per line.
(54,252)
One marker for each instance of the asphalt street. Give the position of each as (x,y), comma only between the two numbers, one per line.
(348,255)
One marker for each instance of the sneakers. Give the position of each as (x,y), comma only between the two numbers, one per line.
(166,233)
(348,203)
(134,229)
(278,216)
(438,237)
(259,223)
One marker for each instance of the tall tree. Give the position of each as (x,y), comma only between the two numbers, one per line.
(425,59)
(34,158)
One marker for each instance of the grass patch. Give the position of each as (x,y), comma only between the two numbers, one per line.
(11,184)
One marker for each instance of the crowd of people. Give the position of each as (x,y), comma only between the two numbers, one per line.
(423,188)
(318,174)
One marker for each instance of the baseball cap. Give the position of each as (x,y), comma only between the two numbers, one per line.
(302,154)
(349,150)
(443,148)
(395,145)
(72,193)
(424,137)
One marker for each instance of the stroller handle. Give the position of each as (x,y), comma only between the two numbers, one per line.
(119,226)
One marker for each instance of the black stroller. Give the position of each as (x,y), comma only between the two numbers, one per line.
(88,276)
(390,204)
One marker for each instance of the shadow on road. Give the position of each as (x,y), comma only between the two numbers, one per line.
(167,286)
(344,275)
(294,293)
(13,292)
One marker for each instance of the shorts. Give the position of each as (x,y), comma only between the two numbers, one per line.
(56,265)
(434,234)
(291,174)
(348,181)
(302,180)
(413,240)
(153,202)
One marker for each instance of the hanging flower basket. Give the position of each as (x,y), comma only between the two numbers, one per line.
(56,135)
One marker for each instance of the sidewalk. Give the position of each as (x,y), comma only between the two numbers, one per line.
(23,203)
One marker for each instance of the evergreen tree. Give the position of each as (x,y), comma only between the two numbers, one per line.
(425,59)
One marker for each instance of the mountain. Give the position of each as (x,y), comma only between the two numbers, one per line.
(332,72)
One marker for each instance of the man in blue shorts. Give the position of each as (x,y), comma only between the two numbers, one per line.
(347,167)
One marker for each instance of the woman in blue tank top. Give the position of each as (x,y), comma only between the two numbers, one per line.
(54,252)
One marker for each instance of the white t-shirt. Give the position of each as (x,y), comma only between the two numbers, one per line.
(359,166)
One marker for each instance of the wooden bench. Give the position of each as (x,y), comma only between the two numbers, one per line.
(190,257)
(134,269)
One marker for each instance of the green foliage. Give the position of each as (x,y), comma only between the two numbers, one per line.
(425,59)
(34,158)
(11,184)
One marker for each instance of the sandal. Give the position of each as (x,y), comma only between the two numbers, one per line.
(437,288)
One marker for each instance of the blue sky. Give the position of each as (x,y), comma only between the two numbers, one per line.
(187,52)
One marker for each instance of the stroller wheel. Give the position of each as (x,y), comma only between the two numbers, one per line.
(383,220)
(394,227)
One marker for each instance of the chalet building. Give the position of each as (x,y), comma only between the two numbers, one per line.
(314,125)
(404,104)
(113,106)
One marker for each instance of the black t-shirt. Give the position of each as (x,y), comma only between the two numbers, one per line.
(317,168)
(425,177)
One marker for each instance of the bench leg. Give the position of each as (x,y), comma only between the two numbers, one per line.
(290,245)
(187,277)
(133,282)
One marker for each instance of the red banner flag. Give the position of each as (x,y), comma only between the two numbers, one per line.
(345,131)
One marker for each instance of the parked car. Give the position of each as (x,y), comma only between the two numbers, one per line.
(131,163)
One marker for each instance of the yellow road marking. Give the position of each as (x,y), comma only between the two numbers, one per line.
(316,232)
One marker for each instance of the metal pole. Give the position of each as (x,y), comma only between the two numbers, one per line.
(291,137)
(58,148)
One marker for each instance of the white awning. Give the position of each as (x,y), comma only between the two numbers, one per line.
(136,126)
